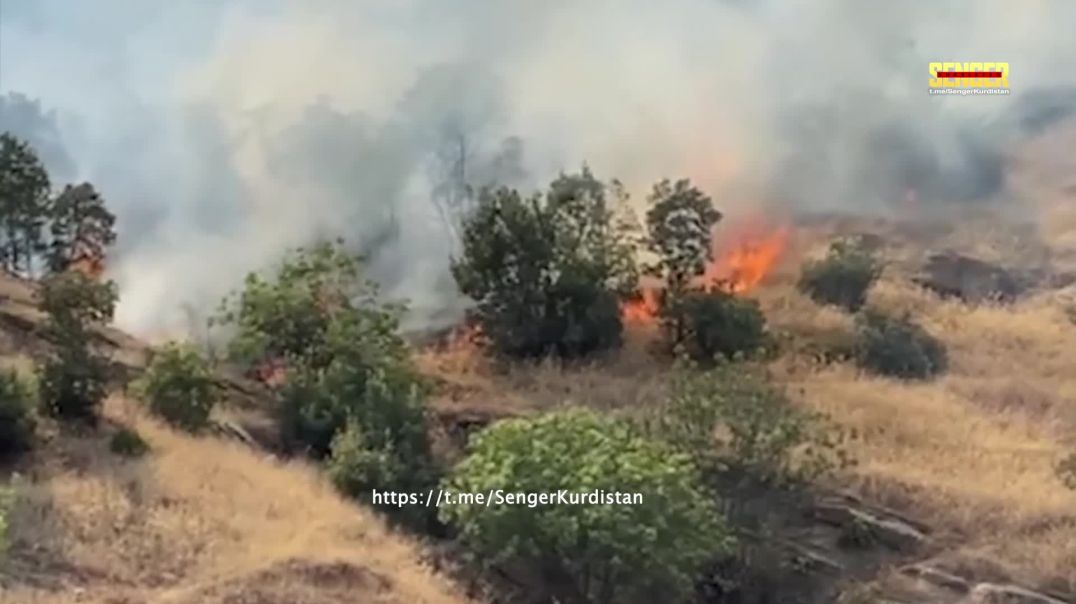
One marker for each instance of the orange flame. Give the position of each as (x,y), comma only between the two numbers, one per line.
(741,262)
(641,309)
(745,263)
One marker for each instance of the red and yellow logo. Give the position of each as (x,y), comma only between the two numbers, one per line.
(969,75)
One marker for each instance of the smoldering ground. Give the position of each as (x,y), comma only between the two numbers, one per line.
(225,132)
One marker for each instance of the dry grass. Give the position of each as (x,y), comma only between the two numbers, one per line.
(971,454)
(199,520)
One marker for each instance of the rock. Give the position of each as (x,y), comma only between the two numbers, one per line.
(991,593)
(937,577)
(813,560)
(972,280)
(891,532)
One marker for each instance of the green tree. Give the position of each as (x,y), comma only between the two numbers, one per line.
(369,379)
(82,228)
(73,380)
(341,352)
(548,274)
(24,204)
(588,553)
(843,277)
(178,387)
(680,225)
(285,317)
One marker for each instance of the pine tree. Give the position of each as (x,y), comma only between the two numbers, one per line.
(82,227)
(24,204)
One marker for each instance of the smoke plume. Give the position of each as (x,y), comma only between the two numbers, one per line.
(224,132)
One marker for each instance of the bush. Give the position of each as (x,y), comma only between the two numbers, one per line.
(843,277)
(73,380)
(178,387)
(355,468)
(716,323)
(730,418)
(358,464)
(285,317)
(898,348)
(72,384)
(127,443)
(547,276)
(651,550)
(369,379)
(339,348)
(16,414)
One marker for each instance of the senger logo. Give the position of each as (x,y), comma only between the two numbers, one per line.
(969,75)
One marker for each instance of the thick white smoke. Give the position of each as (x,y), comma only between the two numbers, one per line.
(224,132)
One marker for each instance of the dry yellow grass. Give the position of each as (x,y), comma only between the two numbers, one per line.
(972,454)
(200,520)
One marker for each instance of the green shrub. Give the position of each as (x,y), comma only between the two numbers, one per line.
(73,380)
(716,323)
(730,418)
(355,468)
(843,277)
(127,443)
(358,464)
(651,550)
(339,347)
(16,414)
(547,275)
(285,317)
(178,387)
(369,379)
(898,348)
(72,384)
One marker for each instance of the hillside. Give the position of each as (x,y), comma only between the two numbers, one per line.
(971,457)
(957,474)
(198,520)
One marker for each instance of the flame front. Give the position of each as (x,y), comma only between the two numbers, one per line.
(744,264)
(741,262)
(642,309)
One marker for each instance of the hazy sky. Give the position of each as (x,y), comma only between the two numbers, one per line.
(224,131)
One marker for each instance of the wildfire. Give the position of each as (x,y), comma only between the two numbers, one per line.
(642,309)
(752,255)
(741,262)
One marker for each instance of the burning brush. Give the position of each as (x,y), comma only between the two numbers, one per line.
(741,262)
